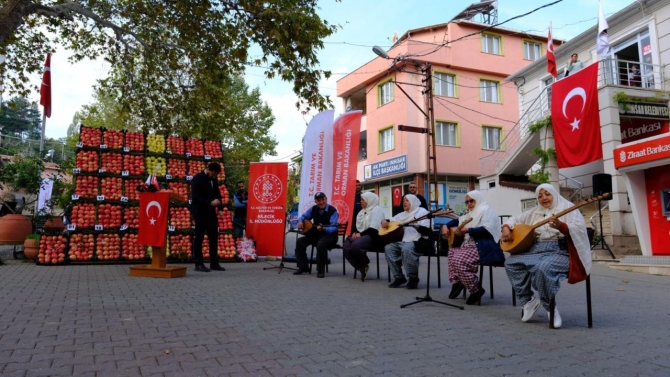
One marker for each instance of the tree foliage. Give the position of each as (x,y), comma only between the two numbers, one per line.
(20,118)
(170,59)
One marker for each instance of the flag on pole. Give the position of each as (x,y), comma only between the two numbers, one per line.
(551,58)
(575,118)
(45,89)
(603,41)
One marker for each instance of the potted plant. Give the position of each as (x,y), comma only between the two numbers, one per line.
(31,246)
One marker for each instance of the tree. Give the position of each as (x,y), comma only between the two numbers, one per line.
(169,58)
(21,118)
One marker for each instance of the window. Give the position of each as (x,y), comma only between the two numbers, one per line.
(488,91)
(490,137)
(445,133)
(491,44)
(385,93)
(531,50)
(547,84)
(386,142)
(444,85)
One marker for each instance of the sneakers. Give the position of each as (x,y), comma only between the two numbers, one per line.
(364,272)
(529,309)
(557,318)
(413,283)
(456,290)
(398,282)
(475,297)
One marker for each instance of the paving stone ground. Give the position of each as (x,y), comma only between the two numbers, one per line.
(99,321)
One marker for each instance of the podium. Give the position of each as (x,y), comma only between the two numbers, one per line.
(158,267)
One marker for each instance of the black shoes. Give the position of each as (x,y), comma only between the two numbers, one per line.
(413,283)
(320,275)
(456,290)
(201,268)
(475,297)
(364,272)
(301,271)
(398,282)
(216,268)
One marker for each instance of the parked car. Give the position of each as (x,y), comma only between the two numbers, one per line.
(293,218)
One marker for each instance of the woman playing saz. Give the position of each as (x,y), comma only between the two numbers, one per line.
(547,262)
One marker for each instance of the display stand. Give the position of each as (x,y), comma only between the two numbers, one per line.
(158,267)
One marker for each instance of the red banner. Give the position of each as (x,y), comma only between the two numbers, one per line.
(346,136)
(153,214)
(656,148)
(575,118)
(266,209)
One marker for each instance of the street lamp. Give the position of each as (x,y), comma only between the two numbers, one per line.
(431,158)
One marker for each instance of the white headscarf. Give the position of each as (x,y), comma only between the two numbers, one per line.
(574,219)
(482,215)
(414,205)
(372,215)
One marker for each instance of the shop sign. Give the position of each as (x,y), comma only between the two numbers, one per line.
(386,167)
(643,151)
(633,129)
(646,110)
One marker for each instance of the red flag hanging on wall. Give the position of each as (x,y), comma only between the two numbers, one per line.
(45,89)
(551,58)
(153,214)
(575,118)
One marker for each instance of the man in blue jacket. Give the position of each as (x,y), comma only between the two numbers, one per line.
(322,233)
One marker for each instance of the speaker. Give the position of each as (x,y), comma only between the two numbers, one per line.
(602,183)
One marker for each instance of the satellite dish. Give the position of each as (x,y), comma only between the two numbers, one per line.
(380,52)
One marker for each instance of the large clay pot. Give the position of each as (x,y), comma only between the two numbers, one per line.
(31,248)
(14,229)
(54,225)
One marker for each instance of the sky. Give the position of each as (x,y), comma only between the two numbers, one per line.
(364,23)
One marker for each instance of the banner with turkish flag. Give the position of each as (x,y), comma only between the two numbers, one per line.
(45,89)
(575,118)
(153,214)
(346,136)
(266,208)
(397,195)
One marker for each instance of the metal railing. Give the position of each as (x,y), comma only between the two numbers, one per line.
(572,184)
(538,109)
(631,73)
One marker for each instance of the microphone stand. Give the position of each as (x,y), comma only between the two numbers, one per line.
(281,264)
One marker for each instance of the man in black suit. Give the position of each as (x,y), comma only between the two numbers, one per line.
(206,199)
(323,235)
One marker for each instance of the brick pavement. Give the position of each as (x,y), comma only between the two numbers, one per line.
(98,321)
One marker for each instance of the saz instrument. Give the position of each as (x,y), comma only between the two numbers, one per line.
(308,227)
(456,240)
(523,236)
(395,230)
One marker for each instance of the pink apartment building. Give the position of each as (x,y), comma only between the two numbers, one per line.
(473,106)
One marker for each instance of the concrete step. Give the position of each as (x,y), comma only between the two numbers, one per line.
(653,265)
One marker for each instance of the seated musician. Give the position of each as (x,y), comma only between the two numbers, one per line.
(323,235)
(402,252)
(480,245)
(545,264)
(366,237)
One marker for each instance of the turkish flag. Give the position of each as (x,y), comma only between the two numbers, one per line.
(153,218)
(575,118)
(551,58)
(45,89)
(397,196)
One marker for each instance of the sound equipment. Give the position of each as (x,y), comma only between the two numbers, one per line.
(602,183)
(523,236)
(456,240)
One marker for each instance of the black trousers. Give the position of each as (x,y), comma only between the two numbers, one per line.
(323,243)
(209,226)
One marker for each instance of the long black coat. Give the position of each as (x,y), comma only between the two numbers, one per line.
(203,191)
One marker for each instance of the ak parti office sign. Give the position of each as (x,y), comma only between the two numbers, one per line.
(386,167)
